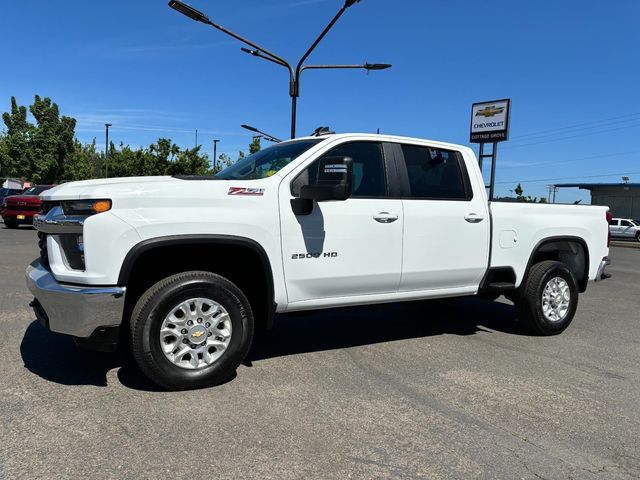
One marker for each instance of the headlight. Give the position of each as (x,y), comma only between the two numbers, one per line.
(85,207)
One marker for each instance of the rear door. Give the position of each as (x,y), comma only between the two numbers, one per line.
(446,225)
(343,248)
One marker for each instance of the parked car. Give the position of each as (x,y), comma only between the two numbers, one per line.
(6,192)
(316,222)
(625,228)
(19,209)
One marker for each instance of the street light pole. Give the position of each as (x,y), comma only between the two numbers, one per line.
(215,144)
(267,136)
(294,74)
(106,150)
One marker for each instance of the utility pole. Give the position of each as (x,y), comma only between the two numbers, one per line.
(215,158)
(106,151)
(196,138)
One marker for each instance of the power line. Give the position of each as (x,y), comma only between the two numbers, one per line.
(594,123)
(572,136)
(563,162)
(510,182)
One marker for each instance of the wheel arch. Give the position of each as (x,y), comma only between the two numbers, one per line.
(570,250)
(233,253)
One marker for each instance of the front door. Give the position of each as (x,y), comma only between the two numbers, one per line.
(343,248)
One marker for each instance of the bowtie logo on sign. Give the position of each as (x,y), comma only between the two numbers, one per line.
(490,111)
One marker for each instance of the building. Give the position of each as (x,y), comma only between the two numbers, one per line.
(622,198)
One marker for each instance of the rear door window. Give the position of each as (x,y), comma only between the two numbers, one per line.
(435,173)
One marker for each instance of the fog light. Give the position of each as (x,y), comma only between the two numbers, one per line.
(80,241)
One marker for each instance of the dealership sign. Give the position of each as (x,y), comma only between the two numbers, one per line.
(490,121)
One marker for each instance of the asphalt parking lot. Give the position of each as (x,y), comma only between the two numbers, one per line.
(397,391)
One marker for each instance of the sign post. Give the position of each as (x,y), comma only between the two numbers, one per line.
(490,124)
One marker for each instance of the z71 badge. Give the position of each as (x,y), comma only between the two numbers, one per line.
(300,256)
(246,191)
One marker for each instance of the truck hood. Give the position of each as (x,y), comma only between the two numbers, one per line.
(109,187)
(150,192)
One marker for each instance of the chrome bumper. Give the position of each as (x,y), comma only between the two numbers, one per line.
(56,222)
(601,274)
(72,309)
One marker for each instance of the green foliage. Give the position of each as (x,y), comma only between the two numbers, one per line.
(254,146)
(48,151)
(528,199)
(518,190)
(51,141)
(82,163)
(15,160)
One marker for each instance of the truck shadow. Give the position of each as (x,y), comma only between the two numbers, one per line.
(56,358)
(355,326)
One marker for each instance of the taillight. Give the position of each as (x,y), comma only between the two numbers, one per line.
(609,217)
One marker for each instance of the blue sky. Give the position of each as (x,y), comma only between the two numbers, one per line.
(571,68)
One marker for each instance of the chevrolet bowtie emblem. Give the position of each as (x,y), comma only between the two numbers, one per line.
(489,111)
(198,334)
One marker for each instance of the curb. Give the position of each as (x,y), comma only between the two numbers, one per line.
(629,244)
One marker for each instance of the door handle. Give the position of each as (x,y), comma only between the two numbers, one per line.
(385,217)
(473,218)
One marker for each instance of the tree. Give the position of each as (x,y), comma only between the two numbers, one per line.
(81,164)
(528,199)
(254,146)
(189,162)
(224,161)
(15,159)
(518,191)
(51,141)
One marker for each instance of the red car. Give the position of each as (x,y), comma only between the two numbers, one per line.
(18,209)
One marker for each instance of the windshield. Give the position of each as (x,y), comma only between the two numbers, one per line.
(266,162)
(36,190)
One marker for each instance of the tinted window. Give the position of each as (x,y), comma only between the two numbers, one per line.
(626,223)
(266,162)
(368,169)
(434,173)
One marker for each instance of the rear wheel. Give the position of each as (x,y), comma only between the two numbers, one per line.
(549,298)
(191,330)
(638,236)
(10,223)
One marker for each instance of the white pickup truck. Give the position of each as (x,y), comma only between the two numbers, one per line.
(183,269)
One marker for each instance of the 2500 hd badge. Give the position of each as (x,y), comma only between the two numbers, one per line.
(300,256)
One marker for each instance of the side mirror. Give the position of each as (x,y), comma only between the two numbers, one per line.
(334,183)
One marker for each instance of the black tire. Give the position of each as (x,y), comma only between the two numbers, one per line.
(638,236)
(529,307)
(155,304)
(10,223)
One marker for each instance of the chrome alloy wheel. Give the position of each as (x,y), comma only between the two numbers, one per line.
(195,333)
(556,298)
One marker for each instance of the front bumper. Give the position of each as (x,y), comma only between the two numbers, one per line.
(14,214)
(81,311)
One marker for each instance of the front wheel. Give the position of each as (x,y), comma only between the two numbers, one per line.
(10,223)
(549,298)
(191,330)
(638,236)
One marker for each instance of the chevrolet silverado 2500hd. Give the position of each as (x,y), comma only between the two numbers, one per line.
(311,223)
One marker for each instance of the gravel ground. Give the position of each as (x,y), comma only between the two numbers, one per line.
(409,390)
